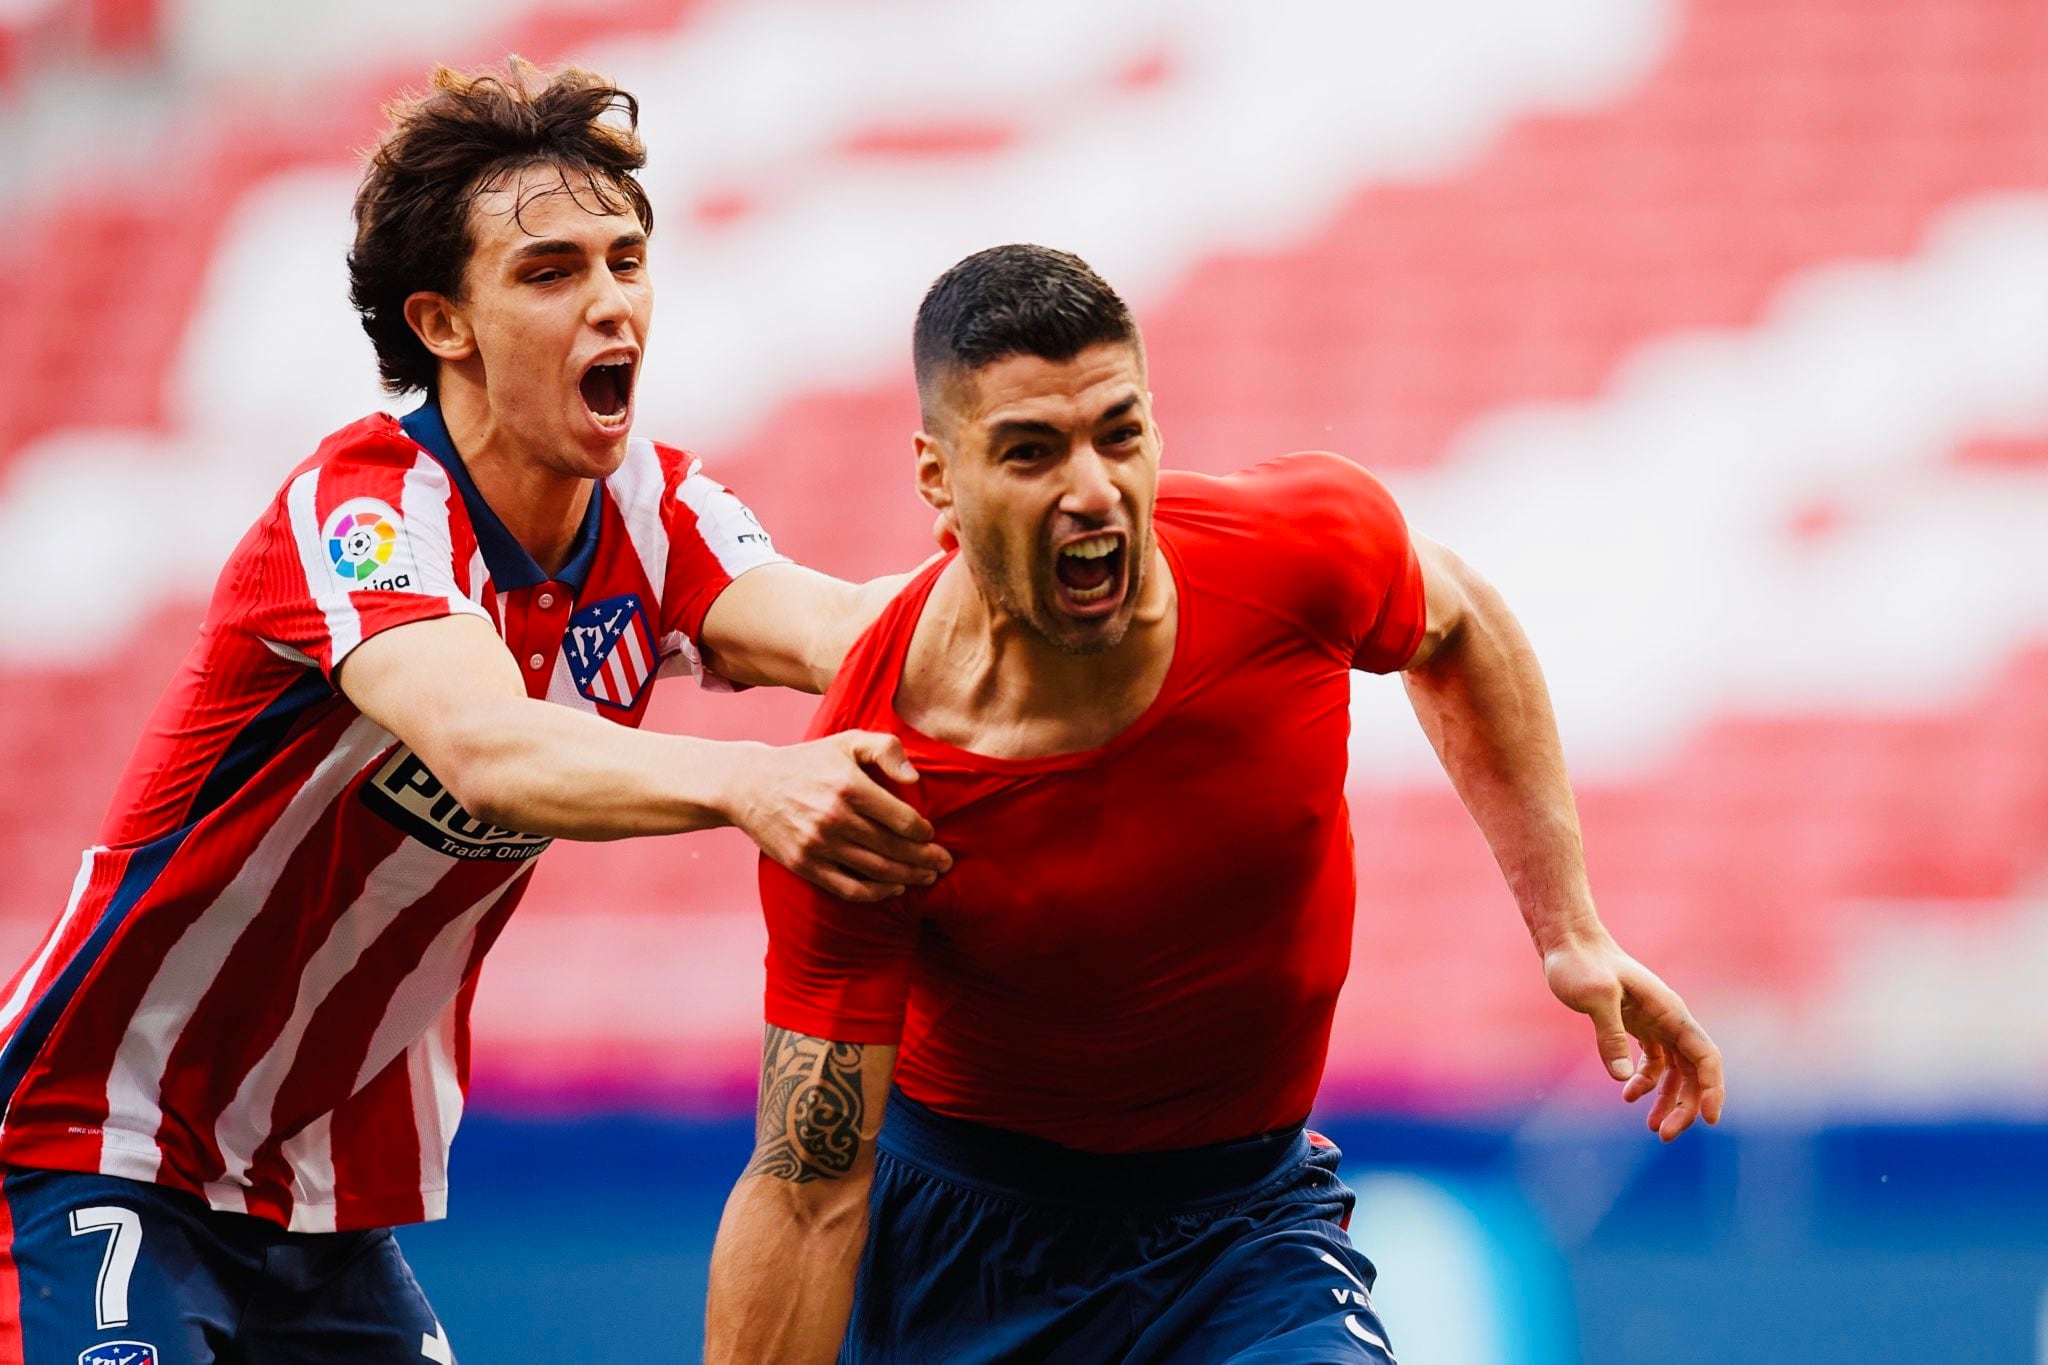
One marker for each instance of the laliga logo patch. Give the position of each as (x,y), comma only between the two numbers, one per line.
(119,1353)
(367,547)
(360,542)
(610,650)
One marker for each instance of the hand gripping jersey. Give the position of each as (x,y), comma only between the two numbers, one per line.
(1139,947)
(259,991)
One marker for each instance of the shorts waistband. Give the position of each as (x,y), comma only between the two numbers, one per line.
(1038,1171)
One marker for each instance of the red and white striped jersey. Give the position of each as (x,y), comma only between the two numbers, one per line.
(259,989)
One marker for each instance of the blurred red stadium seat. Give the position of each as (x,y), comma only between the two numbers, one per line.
(1774,137)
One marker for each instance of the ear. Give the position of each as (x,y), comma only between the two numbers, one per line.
(438,322)
(933,485)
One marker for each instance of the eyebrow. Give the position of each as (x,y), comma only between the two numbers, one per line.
(1004,430)
(559,246)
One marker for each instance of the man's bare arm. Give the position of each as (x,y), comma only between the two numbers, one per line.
(783,625)
(782,1269)
(1476,688)
(449,689)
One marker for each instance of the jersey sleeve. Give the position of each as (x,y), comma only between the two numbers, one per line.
(352,548)
(1362,588)
(713,538)
(836,970)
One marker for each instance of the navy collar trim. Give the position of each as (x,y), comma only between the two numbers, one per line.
(510,566)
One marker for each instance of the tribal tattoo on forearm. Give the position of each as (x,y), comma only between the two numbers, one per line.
(809,1123)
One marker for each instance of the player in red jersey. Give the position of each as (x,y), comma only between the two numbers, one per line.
(1128,697)
(241,1052)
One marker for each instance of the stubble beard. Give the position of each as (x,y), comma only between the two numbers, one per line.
(992,571)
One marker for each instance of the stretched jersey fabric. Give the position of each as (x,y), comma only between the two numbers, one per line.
(259,990)
(1139,947)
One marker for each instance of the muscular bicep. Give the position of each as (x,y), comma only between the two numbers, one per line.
(820,1107)
(1449,586)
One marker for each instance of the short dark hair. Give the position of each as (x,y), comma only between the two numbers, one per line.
(1013,300)
(456,141)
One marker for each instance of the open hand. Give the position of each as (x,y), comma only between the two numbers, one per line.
(1626,999)
(817,809)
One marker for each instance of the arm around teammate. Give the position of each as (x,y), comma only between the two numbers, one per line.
(449,689)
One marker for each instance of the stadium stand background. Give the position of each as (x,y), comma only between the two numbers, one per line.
(1716,331)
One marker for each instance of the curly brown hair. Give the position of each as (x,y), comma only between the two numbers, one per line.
(462,138)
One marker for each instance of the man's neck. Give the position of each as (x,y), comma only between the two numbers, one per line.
(978,678)
(542,507)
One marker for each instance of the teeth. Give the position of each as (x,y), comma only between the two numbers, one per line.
(1095,548)
(1090,594)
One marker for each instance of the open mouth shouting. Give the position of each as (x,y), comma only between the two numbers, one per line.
(1090,573)
(607,390)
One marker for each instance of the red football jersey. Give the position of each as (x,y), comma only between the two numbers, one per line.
(1139,946)
(259,990)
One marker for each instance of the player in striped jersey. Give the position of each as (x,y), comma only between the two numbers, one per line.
(240,1053)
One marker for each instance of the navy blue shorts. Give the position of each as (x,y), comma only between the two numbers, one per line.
(96,1270)
(986,1246)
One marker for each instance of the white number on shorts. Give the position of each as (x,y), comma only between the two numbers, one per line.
(124,1243)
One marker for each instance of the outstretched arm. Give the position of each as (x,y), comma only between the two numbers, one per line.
(451,692)
(784,625)
(783,1266)
(1476,688)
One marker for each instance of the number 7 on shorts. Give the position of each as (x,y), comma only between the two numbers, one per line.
(124,1242)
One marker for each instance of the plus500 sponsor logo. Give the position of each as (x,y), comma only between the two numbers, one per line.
(407,794)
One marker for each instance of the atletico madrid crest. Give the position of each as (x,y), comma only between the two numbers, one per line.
(119,1353)
(610,649)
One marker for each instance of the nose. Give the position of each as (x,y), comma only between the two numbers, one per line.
(609,307)
(1091,495)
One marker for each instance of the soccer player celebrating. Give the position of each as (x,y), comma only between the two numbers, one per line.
(1127,696)
(240,1053)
